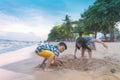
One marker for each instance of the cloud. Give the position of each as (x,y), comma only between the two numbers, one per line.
(37,16)
(33,21)
(20,36)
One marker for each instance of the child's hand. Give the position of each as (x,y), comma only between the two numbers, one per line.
(55,60)
(58,62)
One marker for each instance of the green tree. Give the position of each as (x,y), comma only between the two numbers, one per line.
(110,13)
(67,26)
(55,33)
(78,28)
(102,16)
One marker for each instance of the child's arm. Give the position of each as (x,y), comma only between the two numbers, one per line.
(75,53)
(57,61)
(55,58)
(99,41)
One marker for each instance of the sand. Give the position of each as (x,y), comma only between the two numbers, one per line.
(105,65)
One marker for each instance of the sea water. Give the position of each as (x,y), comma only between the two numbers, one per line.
(11,45)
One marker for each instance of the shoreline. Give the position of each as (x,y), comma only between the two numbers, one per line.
(18,55)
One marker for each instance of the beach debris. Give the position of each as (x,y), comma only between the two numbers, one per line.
(85,69)
(113,70)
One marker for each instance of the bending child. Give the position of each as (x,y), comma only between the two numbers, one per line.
(50,53)
(87,43)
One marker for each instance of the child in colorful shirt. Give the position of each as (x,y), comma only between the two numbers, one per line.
(50,52)
(86,43)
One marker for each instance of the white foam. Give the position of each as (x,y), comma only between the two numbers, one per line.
(18,55)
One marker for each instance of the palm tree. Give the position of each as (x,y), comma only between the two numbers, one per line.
(67,26)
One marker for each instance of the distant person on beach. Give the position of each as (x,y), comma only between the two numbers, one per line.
(50,53)
(86,43)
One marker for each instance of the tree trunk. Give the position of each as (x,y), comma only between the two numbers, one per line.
(105,35)
(80,34)
(111,33)
(95,34)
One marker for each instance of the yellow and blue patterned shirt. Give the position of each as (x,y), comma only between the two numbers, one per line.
(49,47)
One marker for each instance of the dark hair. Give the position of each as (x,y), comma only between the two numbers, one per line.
(83,43)
(63,44)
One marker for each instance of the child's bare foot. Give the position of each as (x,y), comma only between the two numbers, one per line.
(48,70)
(90,60)
(82,59)
(39,66)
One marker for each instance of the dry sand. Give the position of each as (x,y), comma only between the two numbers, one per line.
(105,66)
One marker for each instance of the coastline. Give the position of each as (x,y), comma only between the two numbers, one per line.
(18,55)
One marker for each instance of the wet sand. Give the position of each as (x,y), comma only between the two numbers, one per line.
(105,66)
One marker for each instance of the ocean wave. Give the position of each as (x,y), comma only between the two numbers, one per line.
(12,45)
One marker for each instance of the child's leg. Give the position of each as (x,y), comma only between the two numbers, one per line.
(83,54)
(47,67)
(41,65)
(90,54)
(99,41)
(48,55)
(75,53)
(43,62)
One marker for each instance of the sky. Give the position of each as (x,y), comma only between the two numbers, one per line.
(33,19)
